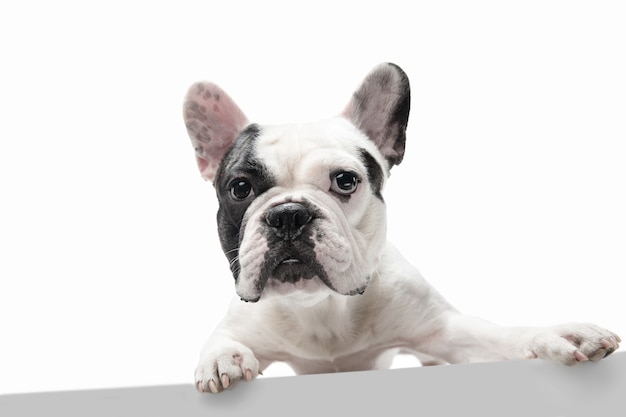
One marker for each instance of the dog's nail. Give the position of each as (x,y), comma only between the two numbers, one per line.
(608,352)
(606,344)
(580,357)
(260,373)
(199,386)
(248,375)
(531,355)
(212,387)
(225,381)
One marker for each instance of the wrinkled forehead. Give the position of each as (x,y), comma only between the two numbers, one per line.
(299,149)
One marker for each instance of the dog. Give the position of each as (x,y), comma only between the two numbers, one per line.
(301,220)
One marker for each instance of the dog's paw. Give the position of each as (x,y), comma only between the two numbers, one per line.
(572,343)
(222,367)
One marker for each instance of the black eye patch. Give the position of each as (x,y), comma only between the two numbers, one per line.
(375,173)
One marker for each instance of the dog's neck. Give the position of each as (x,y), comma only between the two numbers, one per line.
(312,301)
(305,306)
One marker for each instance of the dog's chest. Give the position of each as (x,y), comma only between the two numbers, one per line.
(331,335)
(324,352)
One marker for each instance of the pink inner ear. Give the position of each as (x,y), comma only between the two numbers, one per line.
(202,163)
(213,122)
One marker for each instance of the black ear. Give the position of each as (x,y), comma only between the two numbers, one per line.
(213,121)
(380,108)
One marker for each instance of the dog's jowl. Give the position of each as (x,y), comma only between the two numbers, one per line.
(301,221)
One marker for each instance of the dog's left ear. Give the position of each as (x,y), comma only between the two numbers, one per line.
(380,108)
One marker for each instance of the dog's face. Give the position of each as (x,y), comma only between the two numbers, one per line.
(298,205)
(301,211)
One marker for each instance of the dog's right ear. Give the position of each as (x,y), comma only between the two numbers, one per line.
(213,121)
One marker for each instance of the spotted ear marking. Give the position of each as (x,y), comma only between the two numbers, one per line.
(213,122)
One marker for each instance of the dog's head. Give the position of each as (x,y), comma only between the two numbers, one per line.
(300,205)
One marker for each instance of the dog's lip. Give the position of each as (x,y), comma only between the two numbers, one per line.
(290,261)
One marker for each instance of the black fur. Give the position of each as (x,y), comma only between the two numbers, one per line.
(240,162)
(293,242)
(374,173)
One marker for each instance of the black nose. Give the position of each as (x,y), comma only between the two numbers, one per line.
(288,217)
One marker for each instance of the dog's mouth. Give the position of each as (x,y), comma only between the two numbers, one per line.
(288,271)
(284,275)
(292,269)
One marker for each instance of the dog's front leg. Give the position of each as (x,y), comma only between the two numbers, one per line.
(463,338)
(242,345)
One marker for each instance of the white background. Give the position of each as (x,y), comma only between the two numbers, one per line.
(511,198)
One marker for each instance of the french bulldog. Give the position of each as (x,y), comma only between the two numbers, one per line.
(302,223)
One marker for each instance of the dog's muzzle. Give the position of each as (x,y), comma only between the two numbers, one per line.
(291,256)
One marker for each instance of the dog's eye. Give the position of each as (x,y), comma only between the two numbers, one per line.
(344,182)
(240,189)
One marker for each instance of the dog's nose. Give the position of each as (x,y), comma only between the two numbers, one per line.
(288,217)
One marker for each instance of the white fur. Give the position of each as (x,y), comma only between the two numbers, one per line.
(302,156)
(317,330)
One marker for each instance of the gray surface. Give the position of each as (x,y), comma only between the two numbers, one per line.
(521,388)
